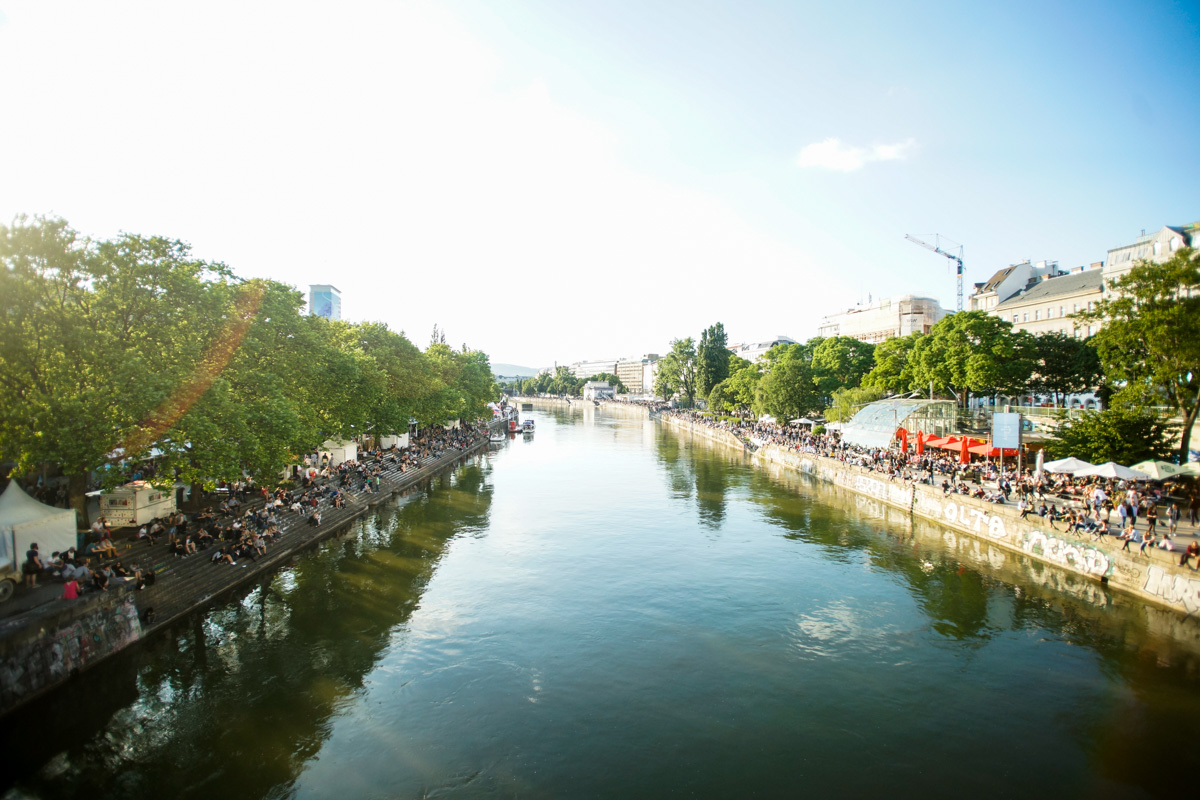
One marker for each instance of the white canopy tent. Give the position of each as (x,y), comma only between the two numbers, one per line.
(1071,464)
(1111,469)
(24,521)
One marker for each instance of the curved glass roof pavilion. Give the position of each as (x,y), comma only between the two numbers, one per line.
(875,425)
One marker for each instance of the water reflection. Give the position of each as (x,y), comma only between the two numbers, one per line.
(236,701)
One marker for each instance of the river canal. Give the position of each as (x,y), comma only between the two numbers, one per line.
(613,609)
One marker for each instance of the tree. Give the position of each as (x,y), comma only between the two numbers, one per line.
(893,369)
(611,380)
(786,389)
(103,347)
(848,401)
(677,372)
(712,359)
(972,351)
(1064,365)
(1123,434)
(1150,337)
(841,362)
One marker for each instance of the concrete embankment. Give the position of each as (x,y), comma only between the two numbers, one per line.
(1154,577)
(43,648)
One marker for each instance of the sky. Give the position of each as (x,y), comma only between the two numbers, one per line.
(553,181)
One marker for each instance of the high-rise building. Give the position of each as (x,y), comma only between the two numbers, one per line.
(632,370)
(324,300)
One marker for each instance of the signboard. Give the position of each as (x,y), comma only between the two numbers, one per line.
(1006,431)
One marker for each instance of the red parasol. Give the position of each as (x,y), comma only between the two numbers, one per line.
(986,449)
(920,443)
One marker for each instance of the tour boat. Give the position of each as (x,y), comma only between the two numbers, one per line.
(528,427)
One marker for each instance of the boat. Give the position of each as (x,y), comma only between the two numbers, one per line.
(528,426)
(497,438)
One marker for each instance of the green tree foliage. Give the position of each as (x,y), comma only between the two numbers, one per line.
(849,401)
(564,382)
(893,369)
(1122,434)
(1064,365)
(786,389)
(841,362)
(972,351)
(1150,338)
(114,351)
(712,358)
(677,372)
(736,393)
(611,380)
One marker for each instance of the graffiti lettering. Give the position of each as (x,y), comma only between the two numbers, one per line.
(1175,589)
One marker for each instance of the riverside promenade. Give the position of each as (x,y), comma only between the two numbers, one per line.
(983,531)
(45,640)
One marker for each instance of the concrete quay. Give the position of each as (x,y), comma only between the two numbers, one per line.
(45,640)
(997,531)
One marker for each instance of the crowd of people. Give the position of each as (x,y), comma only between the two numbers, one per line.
(248,520)
(1092,506)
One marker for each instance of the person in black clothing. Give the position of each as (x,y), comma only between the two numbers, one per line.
(33,566)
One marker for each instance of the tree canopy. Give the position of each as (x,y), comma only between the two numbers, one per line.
(115,351)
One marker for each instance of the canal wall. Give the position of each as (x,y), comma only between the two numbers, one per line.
(1154,577)
(43,648)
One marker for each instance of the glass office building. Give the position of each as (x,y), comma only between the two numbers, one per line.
(324,301)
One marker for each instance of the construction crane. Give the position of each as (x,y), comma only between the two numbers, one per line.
(956,258)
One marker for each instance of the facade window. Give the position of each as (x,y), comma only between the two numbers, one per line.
(1016,318)
(1050,313)
(1062,311)
(1037,314)
(1026,314)
(1076,308)
(1089,305)
(1158,248)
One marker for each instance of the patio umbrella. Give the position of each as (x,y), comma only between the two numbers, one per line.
(1041,463)
(1158,470)
(1191,468)
(964,451)
(920,443)
(942,444)
(1111,469)
(1071,464)
(902,435)
(986,449)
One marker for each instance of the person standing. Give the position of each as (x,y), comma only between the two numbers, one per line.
(1172,518)
(1151,517)
(33,566)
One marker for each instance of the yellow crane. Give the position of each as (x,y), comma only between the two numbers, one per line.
(938,249)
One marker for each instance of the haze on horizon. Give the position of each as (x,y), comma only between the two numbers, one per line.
(554,181)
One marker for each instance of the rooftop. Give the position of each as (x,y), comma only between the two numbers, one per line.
(1088,280)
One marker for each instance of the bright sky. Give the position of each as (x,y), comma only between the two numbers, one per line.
(557,181)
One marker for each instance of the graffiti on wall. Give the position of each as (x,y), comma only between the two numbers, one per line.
(1178,590)
(52,657)
(1061,551)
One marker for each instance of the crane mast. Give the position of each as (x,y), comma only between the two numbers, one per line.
(953,257)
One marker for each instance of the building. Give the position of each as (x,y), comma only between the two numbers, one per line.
(755,350)
(1155,248)
(586,369)
(1007,282)
(325,301)
(597,390)
(649,374)
(1048,304)
(631,372)
(884,319)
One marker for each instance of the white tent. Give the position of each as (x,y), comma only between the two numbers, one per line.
(1111,469)
(24,520)
(1071,464)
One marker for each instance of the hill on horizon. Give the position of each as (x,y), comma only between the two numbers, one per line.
(512,370)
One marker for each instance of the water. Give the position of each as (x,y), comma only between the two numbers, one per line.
(613,610)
